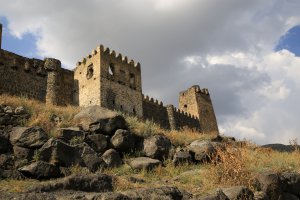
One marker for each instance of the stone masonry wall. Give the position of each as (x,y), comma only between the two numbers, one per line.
(179,119)
(121,87)
(26,77)
(22,76)
(156,112)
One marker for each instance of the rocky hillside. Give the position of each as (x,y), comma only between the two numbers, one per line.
(94,153)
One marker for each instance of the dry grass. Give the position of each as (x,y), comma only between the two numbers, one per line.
(41,113)
(238,165)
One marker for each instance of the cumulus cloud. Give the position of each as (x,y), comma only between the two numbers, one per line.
(226,46)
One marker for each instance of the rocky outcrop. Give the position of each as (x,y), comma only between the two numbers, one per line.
(40,170)
(28,137)
(144,163)
(100,120)
(157,147)
(123,141)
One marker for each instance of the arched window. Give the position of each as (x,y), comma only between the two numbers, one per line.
(90,72)
(111,69)
(132,80)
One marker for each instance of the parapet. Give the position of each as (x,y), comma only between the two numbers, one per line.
(195,89)
(147,99)
(112,53)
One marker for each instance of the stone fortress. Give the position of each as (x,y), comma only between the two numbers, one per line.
(106,79)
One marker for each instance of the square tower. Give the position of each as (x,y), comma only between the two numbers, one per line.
(109,80)
(197,102)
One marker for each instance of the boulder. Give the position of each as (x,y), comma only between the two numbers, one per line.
(8,110)
(202,151)
(123,141)
(112,158)
(291,183)
(11,174)
(182,157)
(86,183)
(164,192)
(20,110)
(269,183)
(259,195)
(40,170)
(67,134)
(288,196)
(4,142)
(28,137)
(23,153)
(98,142)
(6,161)
(157,147)
(238,193)
(219,195)
(144,163)
(100,120)
(91,160)
(60,153)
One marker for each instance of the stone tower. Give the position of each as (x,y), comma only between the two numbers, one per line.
(197,102)
(109,80)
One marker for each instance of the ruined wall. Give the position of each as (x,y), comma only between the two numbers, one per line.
(22,76)
(179,119)
(198,102)
(155,111)
(87,81)
(120,84)
(26,77)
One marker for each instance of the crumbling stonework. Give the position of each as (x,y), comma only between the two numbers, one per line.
(106,79)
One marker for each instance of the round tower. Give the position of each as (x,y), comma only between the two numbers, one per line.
(53,66)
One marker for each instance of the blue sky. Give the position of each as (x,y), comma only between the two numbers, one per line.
(290,41)
(245,52)
(25,46)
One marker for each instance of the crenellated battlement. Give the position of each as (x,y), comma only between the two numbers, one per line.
(105,78)
(147,99)
(112,55)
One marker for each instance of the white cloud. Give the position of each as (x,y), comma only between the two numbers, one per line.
(226,46)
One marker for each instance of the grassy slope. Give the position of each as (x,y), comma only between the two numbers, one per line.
(239,166)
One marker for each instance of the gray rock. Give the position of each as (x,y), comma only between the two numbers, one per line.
(163,193)
(98,142)
(33,137)
(6,161)
(100,120)
(112,158)
(11,174)
(4,142)
(202,151)
(111,196)
(40,170)
(182,157)
(86,183)
(238,193)
(144,163)
(259,195)
(23,153)
(60,153)
(20,110)
(91,159)
(67,134)
(157,147)
(270,183)
(123,141)
(8,110)
(291,183)
(288,196)
(219,195)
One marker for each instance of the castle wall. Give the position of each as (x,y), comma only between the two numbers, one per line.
(156,112)
(26,77)
(120,85)
(179,119)
(87,81)
(21,76)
